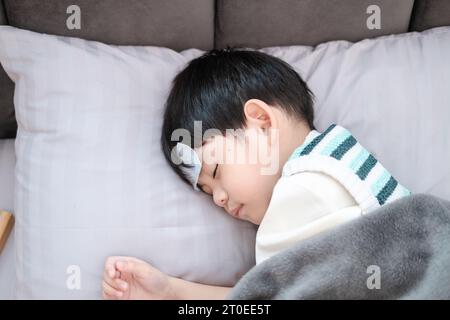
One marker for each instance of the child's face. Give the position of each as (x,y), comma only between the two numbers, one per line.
(240,173)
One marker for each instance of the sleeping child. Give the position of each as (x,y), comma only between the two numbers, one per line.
(256,152)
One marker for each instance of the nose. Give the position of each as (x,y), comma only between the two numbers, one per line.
(220,197)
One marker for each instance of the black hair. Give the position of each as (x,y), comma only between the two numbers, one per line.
(214,87)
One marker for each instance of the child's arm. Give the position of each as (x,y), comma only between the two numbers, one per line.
(131,278)
(187,290)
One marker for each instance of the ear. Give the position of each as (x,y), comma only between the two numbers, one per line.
(259,115)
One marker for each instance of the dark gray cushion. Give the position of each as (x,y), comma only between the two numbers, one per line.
(263,23)
(2,13)
(176,24)
(8,125)
(429,14)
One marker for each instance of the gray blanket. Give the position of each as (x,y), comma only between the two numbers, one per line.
(399,251)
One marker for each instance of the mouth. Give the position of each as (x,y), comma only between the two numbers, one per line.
(235,211)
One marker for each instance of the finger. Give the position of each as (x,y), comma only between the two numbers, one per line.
(107,276)
(108,290)
(135,268)
(110,281)
(110,268)
(110,264)
(112,293)
(106,296)
(110,274)
(120,285)
(117,284)
(129,259)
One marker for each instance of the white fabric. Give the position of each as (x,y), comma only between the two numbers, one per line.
(7,269)
(188,156)
(302,205)
(91,180)
(365,191)
(392,93)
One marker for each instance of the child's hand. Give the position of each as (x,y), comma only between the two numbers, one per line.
(127,278)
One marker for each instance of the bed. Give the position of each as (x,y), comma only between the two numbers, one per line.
(52,241)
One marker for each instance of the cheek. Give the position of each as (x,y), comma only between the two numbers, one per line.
(245,183)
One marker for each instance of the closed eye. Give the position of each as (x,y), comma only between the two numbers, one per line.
(215,170)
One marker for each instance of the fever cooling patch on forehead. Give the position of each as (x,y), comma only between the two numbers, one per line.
(188,156)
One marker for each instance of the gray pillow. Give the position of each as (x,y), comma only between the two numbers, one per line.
(90,178)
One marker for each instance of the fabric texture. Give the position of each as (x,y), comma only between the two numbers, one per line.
(337,153)
(399,251)
(3,19)
(430,14)
(165,23)
(90,178)
(265,23)
(302,205)
(8,125)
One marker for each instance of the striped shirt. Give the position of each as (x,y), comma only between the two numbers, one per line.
(337,153)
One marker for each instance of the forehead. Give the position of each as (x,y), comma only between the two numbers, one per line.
(210,144)
(210,150)
(215,148)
